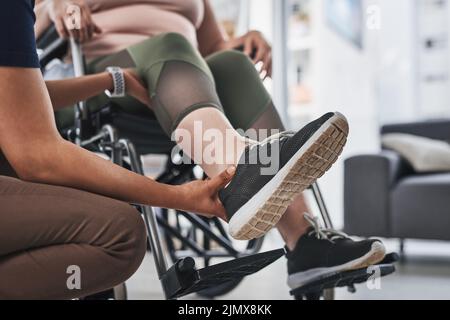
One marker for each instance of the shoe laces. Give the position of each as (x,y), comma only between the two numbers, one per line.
(272,139)
(323,233)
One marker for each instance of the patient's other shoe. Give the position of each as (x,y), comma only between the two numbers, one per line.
(262,190)
(321,253)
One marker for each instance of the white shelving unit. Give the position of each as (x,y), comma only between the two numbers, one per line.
(295,59)
(293,33)
(433,57)
(414,60)
(305,43)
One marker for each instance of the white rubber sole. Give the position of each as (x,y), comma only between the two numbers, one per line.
(376,255)
(261,213)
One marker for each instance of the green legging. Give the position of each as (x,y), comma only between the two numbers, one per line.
(180,81)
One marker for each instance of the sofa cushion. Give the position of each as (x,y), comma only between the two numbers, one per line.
(420,207)
(424,154)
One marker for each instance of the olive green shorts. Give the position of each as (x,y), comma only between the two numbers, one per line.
(236,83)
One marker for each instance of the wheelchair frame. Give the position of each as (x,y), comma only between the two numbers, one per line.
(109,142)
(183,277)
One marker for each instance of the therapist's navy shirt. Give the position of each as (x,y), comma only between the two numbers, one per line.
(17,42)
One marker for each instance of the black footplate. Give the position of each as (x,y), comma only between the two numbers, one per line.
(183,278)
(315,289)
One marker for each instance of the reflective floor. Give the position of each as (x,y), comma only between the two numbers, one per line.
(425,275)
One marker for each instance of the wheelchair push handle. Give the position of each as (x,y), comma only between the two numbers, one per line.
(82,116)
(77,58)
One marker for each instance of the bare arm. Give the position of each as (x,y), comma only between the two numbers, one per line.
(211,36)
(43,21)
(67,92)
(31,143)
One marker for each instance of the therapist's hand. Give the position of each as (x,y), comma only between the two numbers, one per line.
(72,18)
(255,45)
(202,197)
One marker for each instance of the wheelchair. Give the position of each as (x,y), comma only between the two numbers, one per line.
(196,246)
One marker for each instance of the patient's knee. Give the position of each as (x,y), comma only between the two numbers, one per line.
(232,59)
(232,67)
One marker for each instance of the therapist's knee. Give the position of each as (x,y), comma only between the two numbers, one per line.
(129,240)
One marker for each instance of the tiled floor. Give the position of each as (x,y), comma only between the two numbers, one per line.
(425,276)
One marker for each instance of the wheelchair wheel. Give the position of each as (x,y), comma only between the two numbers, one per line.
(329,295)
(205,240)
(120,292)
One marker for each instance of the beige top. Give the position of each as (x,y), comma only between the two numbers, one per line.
(128,22)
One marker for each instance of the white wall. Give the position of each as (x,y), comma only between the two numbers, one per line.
(397,71)
(370,86)
(346,83)
(261,16)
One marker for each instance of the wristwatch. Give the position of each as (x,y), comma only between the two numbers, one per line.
(119,82)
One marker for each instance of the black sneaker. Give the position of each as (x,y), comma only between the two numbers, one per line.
(321,253)
(257,197)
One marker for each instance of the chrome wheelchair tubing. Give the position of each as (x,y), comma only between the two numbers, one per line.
(106,139)
(206,229)
(106,132)
(81,110)
(148,213)
(328,294)
(77,58)
(44,55)
(114,146)
(322,206)
(117,148)
(86,134)
(109,142)
(184,240)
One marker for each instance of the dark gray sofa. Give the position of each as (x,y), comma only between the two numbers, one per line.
(384,197)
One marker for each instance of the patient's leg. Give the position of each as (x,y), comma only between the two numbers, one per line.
(184,99)
(216,155)
(248,105)
(186,102)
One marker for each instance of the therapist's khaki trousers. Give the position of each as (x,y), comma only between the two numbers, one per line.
(61,243)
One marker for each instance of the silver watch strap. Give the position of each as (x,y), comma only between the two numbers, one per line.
(118,81)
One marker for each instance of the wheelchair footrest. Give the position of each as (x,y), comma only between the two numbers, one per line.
(314,290)
(183,278)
